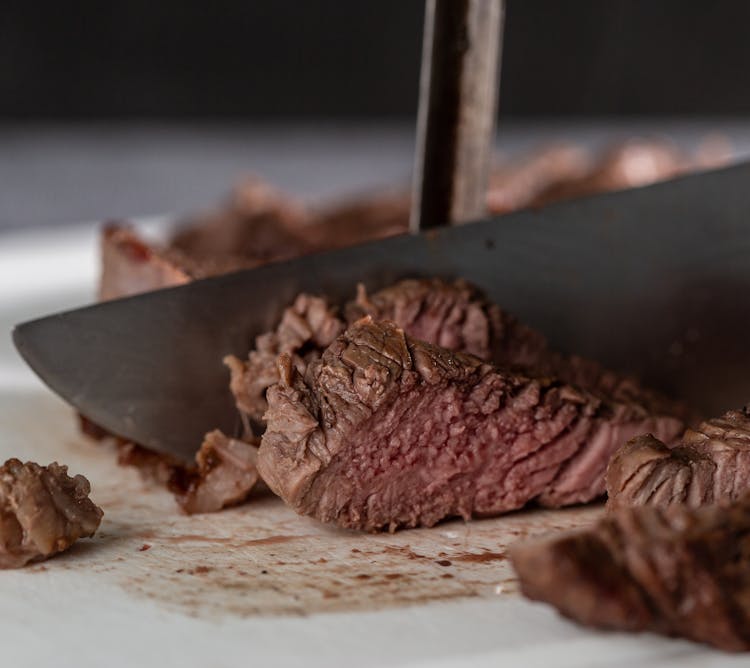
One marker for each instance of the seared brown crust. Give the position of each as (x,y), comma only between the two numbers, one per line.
(677,571)
(710,464)
(387,431)
(43,511)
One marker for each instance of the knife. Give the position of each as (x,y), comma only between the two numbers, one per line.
(654,280)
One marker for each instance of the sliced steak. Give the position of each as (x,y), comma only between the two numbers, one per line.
(710,464)
(224,475)
(385,431)
(454,315)
(676,571)
(43,511)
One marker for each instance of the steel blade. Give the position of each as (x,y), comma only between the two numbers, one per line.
(653,280)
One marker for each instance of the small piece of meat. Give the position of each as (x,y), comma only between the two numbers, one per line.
(224,475)
(709,465)
(385,431)
(676,571)
(307,327)
(43,511)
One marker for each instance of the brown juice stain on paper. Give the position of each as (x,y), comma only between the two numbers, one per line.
(263,559)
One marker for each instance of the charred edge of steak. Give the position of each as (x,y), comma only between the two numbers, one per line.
(224,475)
(388,431)
(43,511)
(710,464)
(676,571)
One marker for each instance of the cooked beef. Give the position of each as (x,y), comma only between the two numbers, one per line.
(258,224)
(306,328)
(385,431)
(677,571)
(224,475)
(453,315)
(43,511)
(710,464)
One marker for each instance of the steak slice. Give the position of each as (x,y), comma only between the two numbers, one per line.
(677,571)
(224,475)
(710,464)
(454,315)
(42,511)
(385,431)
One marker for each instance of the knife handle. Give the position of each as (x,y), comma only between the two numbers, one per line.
(457,108)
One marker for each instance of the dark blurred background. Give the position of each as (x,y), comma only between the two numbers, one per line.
(276,59)
(122,109)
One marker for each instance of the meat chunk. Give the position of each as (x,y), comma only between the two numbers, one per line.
(710,464)
(676,571)
(224,475)
(43,511)
(306,328)
(454,315)
(385,431)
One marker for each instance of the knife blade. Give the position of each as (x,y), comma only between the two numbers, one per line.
(653,280)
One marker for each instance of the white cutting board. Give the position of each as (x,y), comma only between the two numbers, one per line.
(257,585)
